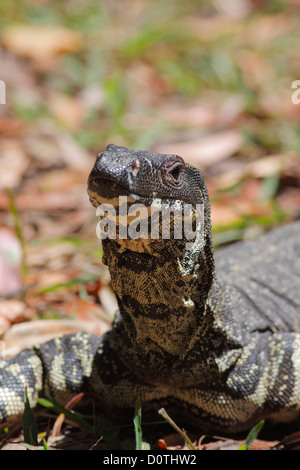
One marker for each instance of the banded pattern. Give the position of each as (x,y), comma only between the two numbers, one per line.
(217,337)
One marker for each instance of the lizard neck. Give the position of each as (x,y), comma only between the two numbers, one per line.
(162,298)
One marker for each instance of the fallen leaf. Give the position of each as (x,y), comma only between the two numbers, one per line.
(108,301)
(192,115)
(267,166)
(67,109)
(266,28)
(13,310)
(206,151)
(10,126)
(221,214)
(14,163)
(26,334)
(41,43)
(290,442)
(259,168)
(10,263)
(255,68)
(4,325)
(73,154)
(47,279)
(289,201)
(259,444)
(86,310)
(41,202)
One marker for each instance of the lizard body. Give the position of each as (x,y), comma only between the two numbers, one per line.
(216,336)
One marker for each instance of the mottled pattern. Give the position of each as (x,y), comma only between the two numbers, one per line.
(220,345)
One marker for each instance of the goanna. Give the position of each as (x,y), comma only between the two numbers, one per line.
(216,337)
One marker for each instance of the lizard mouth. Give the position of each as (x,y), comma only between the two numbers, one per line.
(105,190)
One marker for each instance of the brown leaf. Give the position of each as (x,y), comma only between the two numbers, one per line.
(68,110)
(289,201)
(10,263)
(88,311)
(191,115)
(41,202)
(14,163)
(108,301)
(47,278)
(13,310)
(290,442)
(26,334)
(4,325)
(206,151)
(41,43)
(10,126)
(259,168)
(259,444)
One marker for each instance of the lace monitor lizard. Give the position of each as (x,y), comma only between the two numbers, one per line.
(215,336)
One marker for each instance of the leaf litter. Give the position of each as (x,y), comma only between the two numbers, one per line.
(209,83)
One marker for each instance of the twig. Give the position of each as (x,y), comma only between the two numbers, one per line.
(182,433)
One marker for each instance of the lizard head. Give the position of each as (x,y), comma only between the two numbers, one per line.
(148,183)
(144,175)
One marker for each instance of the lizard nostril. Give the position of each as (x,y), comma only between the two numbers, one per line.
(175,172)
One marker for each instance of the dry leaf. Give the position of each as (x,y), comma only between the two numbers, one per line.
(88,311)
(206,151)
(4,325)
(10,263)
(41,43)
(10,126)
(27,334)
(290,442)
(13,310)
(289,201)
(191,115)
(260,168)
(48,279)
(14,163)
(268,27)
(108,301)
(68,110)
(42,202)
(74,156)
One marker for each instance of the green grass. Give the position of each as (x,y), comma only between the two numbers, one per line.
(253,433)
(19,233)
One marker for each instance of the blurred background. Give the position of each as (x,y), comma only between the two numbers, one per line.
(210,81)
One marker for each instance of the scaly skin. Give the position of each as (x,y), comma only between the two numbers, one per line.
(223,347)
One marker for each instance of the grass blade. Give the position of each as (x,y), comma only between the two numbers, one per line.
(137,421)
(30,427)
(252,435)
(15,214)
(70,414)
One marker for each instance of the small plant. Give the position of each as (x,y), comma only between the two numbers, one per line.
(137,421)
(30,427)
(252,435)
